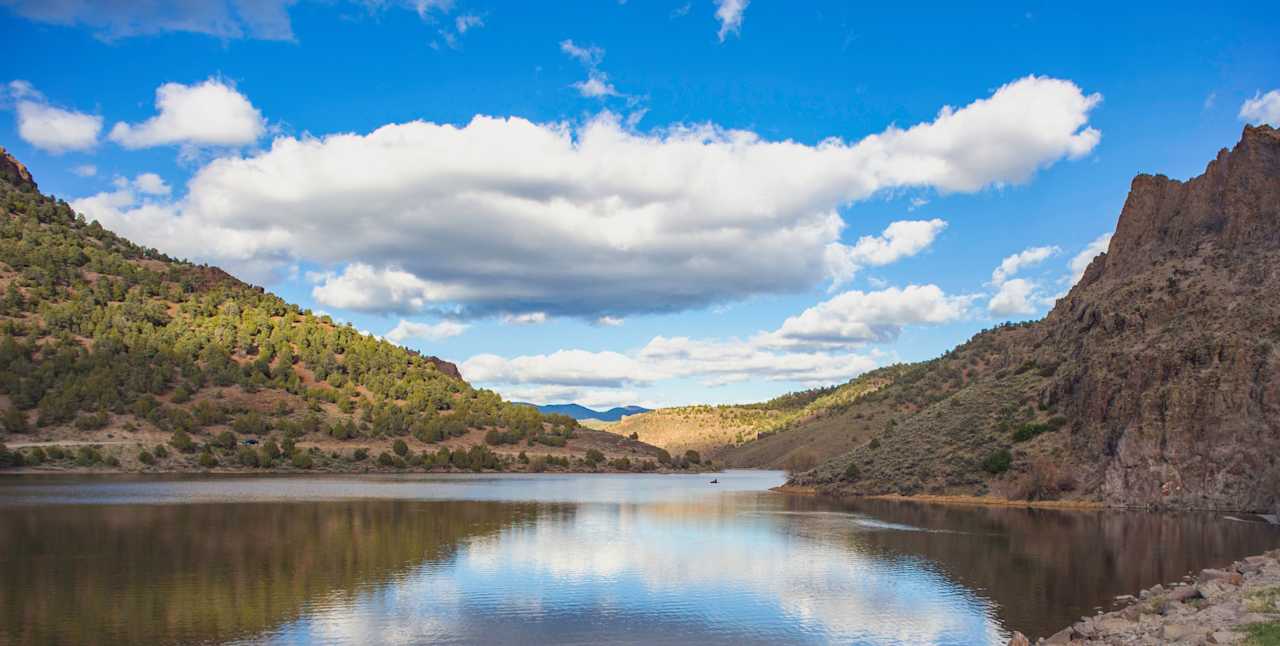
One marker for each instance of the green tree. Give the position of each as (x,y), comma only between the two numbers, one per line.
(400,448)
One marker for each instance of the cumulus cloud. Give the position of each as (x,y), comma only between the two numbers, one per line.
(262,19)
(900,240)
(48,127)
(857,317)
(211,113)
(527,318)
(1081,261)
(814,347)
(1262,108)
(405,330)
(729,13)
(151,184)
(711,361)
(1011,265)
(85,170)
(596,85)
(502,215)
(1016,297)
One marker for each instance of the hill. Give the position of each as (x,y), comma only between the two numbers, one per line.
(116,356)
(745,434)
(580,412)
(1155,382)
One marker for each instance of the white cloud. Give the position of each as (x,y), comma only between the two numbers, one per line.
(466,22)
(504,215)
(211,113)
(85,170)
(857,317)
(609,321)
(151,184)
(597,85)
(527,318)
(562,368)
(811,348)
(1016,296)
(712,361)
(1081,261)
(363,287)
(405,330)
(1019,296)
(48,127)
(1011,265)
(729,13)
(1262,108)
(264,19)
(900,240)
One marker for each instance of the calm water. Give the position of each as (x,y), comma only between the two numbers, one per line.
(564,559)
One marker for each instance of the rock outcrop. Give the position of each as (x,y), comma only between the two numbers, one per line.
(1216,607)
(12,171)
(1155,382)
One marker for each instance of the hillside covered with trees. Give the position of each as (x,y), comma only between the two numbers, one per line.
(116,356)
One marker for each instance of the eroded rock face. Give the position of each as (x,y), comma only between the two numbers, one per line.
(12,171)
(1171,340)
(1161,367)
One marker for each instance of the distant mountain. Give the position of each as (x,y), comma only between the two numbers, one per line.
(582,412)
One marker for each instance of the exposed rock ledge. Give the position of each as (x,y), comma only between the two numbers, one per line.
(1216,607)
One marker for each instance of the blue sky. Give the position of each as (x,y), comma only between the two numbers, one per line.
(661,202)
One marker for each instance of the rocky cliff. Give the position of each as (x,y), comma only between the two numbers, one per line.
(1154,382)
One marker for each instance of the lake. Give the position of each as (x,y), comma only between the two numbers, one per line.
(569,559)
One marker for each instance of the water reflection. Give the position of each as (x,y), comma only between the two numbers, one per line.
(565,559)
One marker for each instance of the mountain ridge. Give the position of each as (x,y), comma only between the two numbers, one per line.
(580,412)
(1152,383)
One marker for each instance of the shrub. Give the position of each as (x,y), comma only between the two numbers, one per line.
(271,450)
(400,448)
(385,459)
(692,457)
(302,460)
(225,440)
(161,452)
(1029,430)
(145,457)
(494,437)
(14,421)
(800,461)
(9,458)
(593,457)
(92,422)
(182,442)
(621,464)
(113,461)
(522,458)
(207,460)
(57,453)
(247,457)
(87,456)
(38,455)
(851,472)
(360,455)
(537,465)
(997,461)
(874,443)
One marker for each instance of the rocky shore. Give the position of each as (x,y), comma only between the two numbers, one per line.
(1236,605)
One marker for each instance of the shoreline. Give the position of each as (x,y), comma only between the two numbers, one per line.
(1239,604)
(979,501)
(983,501)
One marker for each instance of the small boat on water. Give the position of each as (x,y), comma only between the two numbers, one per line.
(715,481)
